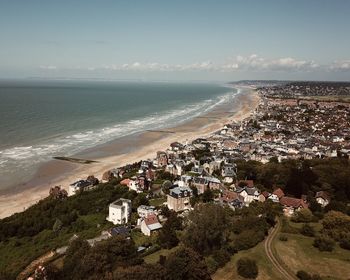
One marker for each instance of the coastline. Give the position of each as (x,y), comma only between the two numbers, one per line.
(122,151)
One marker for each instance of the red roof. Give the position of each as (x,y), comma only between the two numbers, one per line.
(230,196)
(248,183)
(265,194)
(125,182)
(151,219)
(293,202)
(279,193)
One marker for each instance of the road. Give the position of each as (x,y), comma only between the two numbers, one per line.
(285,274)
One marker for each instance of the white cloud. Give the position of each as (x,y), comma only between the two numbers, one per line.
(257,63)
(48,67)
(340,65)
(251,62)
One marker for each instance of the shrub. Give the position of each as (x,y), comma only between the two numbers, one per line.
(248,239)
(303,275)
(221,257)
(283,238)
(247,268)
(324,243)
(302,216)
(345,243)
(307,230)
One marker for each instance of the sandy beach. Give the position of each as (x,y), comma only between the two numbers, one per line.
(120,152)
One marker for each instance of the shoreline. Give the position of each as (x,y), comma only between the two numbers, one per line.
(119,152)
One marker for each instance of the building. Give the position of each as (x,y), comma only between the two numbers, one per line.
(291,205)
(143,210)
(162,159)
(81,185)
(150,224)
(179,198)
(119,211)
(322,198)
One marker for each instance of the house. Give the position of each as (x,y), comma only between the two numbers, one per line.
(150,224)
(162,159)
(121,231)
(179,198)
(81,185)
(119,211)
(143,210)
(291,205)
(233,199)
(228,170)
(132,184)
(200,183)
(250,194)
(276,195)
(322,198)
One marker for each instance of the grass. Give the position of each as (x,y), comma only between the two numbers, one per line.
(153,258)
(140,239)
(157,201)
(299,254)
(266,269)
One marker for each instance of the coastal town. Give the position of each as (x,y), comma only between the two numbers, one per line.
(282,127)
(292,122)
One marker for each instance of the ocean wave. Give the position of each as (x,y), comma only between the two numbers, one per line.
(28,156)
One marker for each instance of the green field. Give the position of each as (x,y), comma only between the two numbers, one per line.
(299,254)
(266,270)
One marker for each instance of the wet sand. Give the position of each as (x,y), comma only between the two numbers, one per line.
(122,151)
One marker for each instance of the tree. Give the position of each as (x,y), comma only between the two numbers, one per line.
(336,225)
(57,225)
(307,230)
(167,237)
(141,199)
(247,268)
(324,243)
(206,230)
(208,195)
(345,242)
(186,264)
(144,272)
(302,216)
(303,275)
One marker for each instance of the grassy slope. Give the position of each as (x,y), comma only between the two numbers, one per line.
(266,270)
(17,253)
(299,254)
(153,258)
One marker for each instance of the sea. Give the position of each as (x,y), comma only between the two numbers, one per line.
(43,119)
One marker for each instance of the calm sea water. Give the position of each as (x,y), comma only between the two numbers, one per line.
(42,119)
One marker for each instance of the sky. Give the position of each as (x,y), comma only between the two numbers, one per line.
(175,40)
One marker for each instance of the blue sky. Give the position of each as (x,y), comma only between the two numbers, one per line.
(175,40)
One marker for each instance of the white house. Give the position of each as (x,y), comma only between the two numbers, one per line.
(143,210)
(79,186)
(119,211)
(150,224)
(322,198)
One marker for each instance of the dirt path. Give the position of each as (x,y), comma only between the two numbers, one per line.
(274,260)
(33,265)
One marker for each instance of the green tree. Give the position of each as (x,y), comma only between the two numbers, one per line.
(57,225)
(207,228)
(324,243)
(208,195)
(186,264)
(307,230)
(303,216)
(167,237)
